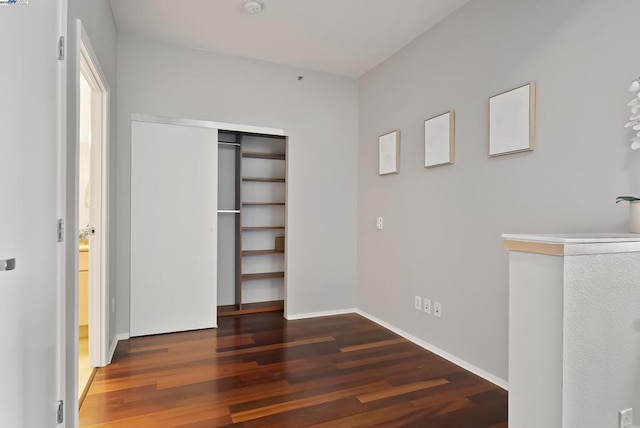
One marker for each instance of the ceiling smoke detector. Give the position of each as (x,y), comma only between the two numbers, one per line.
(253,6)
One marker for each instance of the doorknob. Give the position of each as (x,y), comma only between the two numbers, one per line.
(8,264)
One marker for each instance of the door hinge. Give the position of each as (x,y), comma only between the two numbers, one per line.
(60,230)
(61,48)
(60,412)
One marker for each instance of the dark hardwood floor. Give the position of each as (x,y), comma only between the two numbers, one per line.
(263,371)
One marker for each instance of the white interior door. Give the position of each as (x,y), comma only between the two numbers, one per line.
(28,211)
(174,202)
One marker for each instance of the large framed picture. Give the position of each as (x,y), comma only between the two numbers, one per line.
(512,121)
(439,140)
(389,153)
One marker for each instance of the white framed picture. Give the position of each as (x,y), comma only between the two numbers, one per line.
(512,121)
(389,153)
(439,140)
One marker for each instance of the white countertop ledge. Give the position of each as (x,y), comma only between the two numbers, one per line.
(573,244)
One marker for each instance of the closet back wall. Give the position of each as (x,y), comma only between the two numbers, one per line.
(320,116)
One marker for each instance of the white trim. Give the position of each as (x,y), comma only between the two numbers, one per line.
(122,336)
(208,124)
(114,344)
(429,347)
(580,244)
(99,300)
(61,375)
(320,314)
(112,349)
(575,238)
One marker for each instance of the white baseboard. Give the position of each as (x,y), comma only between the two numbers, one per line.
(429,347)
(114,344)
(122,336)
(320,314)
(112,350)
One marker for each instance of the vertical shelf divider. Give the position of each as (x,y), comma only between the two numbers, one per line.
(239,221)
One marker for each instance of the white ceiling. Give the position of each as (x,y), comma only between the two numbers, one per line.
(346,37)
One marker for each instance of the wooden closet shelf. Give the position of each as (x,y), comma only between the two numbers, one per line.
(251,308)
(258,155)
(263,228)
(264,179)
(260,252)
(265,275)
(262,203)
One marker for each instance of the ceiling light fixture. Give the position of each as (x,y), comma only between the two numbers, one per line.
(253,6)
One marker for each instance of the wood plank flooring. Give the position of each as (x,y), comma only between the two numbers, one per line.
(263,371)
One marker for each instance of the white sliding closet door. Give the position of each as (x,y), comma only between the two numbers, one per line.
(174,198)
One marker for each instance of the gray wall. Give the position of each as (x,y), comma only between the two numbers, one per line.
(442,226)
(97,19)
(320,115)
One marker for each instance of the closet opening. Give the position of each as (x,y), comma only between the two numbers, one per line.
(209,236)
(252,193)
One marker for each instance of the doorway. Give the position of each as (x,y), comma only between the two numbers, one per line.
(91,214)
(85,371)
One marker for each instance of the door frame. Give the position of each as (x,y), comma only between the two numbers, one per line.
(75,40)
(62,135)
(88,63)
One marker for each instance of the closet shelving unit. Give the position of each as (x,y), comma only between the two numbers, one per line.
(270,150)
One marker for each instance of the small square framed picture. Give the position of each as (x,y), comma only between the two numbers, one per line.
(439,140)
(389,153)
(512,121)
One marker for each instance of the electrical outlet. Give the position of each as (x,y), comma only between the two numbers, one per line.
(379,223)
(427,305)
(625,418)
(417,302)
(437,309)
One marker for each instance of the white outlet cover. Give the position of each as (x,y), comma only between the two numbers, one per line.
(418,303)
(437,309)
(427,305)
